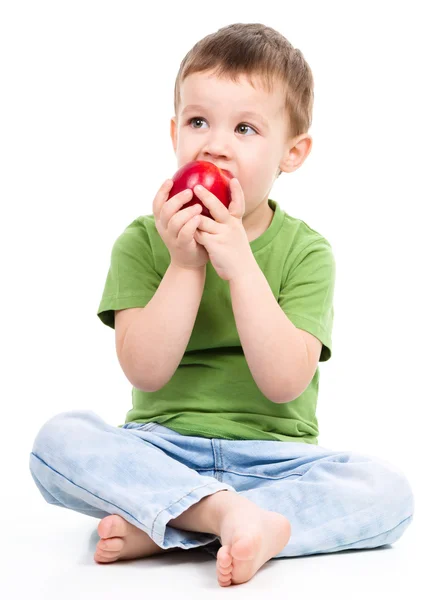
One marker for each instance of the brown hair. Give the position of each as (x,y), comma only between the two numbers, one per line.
(253,49)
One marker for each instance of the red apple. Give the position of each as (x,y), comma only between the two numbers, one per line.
(211,177)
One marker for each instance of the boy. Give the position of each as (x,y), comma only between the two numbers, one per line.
(220,324)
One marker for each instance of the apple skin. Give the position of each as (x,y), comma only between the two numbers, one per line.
(211,177)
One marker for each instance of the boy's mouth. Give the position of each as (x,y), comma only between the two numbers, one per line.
(231,175)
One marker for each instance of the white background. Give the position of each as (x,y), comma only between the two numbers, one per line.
(85,107)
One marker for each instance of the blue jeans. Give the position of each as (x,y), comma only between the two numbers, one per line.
(149,475)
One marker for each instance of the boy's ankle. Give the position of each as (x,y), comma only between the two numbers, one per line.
(206,515)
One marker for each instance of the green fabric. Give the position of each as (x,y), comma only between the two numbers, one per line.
(212,393)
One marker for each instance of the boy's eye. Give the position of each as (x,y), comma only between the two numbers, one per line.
(200,119)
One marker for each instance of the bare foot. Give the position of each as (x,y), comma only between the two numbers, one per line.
(120,540)
(249,538)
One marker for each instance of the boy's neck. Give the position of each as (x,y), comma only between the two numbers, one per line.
(258,221)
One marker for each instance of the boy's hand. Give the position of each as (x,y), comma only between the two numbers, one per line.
(177,227)
(225,238)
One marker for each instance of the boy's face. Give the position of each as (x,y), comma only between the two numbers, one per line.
(252,148)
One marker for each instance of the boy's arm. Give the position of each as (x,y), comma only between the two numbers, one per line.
(281,357)
(156,340)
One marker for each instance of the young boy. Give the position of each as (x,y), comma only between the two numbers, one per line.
(220,324)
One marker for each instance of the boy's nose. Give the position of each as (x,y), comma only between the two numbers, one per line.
(217,148)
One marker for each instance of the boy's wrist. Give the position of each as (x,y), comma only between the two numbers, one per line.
(182,268)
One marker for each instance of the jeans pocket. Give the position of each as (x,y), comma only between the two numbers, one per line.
(140,426)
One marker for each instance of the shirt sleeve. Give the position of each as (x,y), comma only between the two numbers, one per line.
(307,294)
(132,279)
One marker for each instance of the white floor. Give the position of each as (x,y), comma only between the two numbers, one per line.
(50,556)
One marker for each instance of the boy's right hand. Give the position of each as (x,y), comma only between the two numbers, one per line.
(177,227)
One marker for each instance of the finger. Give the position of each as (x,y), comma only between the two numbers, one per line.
(188,230)
(182,217)
(217,209)
(208,225)
(173,205)
(161,197)
(237,205)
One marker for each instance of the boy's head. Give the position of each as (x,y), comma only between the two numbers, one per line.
(244,67)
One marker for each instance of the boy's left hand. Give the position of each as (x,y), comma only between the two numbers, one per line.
(225,238)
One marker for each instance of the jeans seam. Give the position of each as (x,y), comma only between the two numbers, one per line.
(89,492)
(217,470)
(256,475)
(370,538)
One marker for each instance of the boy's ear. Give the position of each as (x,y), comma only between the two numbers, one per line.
(296,152)
(174,133)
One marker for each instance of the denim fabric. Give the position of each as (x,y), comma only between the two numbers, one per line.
(149,475)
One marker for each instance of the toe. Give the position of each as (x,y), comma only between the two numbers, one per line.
(111,545)
(225,571)
(223,557)
(105,557)
(112,526)
(225,579)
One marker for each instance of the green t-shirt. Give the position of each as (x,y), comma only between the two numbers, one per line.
(212,393)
